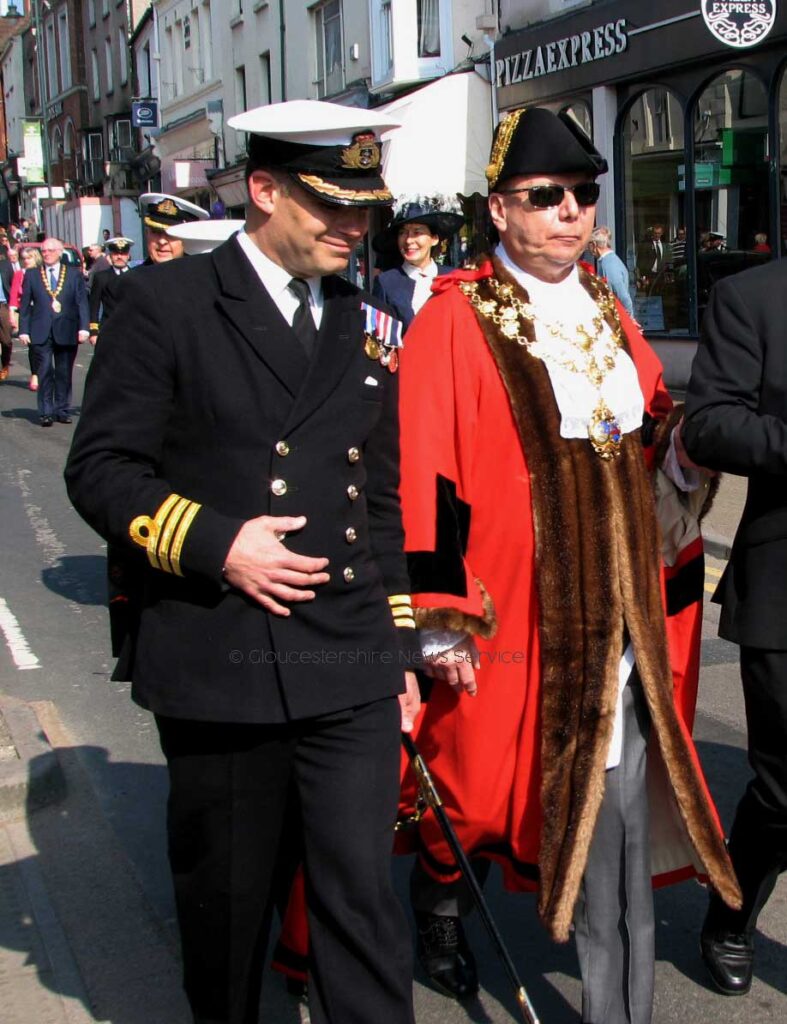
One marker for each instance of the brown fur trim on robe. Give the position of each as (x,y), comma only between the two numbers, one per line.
(452,618)
(596,516)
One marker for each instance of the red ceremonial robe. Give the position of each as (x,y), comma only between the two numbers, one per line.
(467,499)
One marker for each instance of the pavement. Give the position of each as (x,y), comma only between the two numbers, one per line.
(80,940)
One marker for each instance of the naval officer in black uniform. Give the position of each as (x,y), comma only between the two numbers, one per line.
(275,624)
(103,291)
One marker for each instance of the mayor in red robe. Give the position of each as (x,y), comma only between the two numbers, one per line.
(557,728)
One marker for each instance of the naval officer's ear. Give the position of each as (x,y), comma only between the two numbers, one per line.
(266,189)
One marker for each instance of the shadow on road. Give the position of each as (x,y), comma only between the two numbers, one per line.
(79,578)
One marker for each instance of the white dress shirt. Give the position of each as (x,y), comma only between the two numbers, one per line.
(423,277)
(276,280)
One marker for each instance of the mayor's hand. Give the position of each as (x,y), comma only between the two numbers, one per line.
(24,339)
(261,566)
(457,666)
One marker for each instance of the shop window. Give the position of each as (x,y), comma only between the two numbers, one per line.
(428,28)
(654,166)
(580,112)
(731,198)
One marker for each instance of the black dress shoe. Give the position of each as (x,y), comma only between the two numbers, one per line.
(444,954)
(729,958)
(64,419)
(46,421)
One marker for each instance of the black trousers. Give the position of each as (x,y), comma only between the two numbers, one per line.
(231,787)
(54,366)
(758,839)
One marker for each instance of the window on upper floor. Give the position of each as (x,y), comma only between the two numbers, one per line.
(329,46)
(428,14)
(411,40)
(91,12)
(187,33)
(265,78)
(104,8)
(51,59)
(95,75)
(123,55)
(108,62)
(65,55)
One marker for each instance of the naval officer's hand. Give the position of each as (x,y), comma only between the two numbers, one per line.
(410,701)
(260,565)
(457,666)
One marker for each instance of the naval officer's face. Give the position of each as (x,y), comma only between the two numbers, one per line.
(544,242)
(162,248)
(307,237)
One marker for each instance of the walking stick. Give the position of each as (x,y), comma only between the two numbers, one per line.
(429,795)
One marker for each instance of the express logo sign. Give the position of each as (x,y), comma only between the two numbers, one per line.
(739,23)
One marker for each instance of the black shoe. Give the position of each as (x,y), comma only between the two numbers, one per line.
(297,988)
(46,421)
(444,954)
(729,958)
(64,419)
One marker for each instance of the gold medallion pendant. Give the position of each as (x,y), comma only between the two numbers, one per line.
(371,347)
(604,432)
(56,307)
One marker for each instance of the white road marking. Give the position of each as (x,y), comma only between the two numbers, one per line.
(15,639)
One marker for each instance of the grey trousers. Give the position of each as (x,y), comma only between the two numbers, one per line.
(614,917)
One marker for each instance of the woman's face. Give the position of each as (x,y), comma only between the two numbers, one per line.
(415,242)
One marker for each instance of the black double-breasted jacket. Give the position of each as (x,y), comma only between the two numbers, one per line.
(736,422)
(102,298)
(202,411)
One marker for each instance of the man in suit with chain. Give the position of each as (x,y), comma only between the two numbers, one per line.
(53,318)
(276,623)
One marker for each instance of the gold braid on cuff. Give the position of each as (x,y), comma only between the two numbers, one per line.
(402,611)
(164,534)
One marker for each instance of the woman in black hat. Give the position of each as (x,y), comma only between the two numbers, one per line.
(418,227)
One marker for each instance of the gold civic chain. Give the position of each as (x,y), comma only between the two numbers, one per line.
(586,350)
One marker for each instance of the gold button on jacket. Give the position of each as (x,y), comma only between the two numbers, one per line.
(348,574)
(279,487)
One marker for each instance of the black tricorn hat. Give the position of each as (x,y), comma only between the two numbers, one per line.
(441,214)
(533,140)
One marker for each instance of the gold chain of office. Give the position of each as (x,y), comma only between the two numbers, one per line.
(587,350)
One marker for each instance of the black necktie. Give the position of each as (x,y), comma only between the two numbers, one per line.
(303,322)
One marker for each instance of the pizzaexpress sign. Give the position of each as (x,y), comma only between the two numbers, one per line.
(739,23)
(735,23)
(568,52)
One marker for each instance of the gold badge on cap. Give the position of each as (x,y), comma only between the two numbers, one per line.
(364,154)
(168,208)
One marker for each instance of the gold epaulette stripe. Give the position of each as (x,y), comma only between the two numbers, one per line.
(402,610)
(169,529)
(94,327)
(166,530)
(180,536)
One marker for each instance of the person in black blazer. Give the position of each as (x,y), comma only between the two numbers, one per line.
(736,422)
(53,318)
(414,235)
(276,623)
(102,296)
(6,344)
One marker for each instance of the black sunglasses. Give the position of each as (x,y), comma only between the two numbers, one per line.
(542,197)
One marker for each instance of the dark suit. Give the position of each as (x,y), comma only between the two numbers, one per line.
(6,345)
(736,421)
(53,335)
(103,296)
(248,703)
(396,289)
